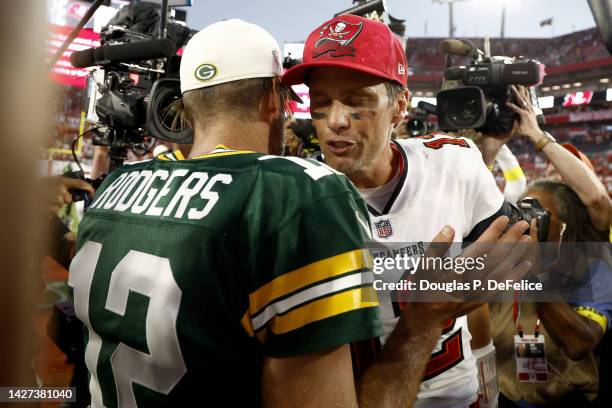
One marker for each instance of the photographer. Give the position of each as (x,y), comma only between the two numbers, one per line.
(582,180)
(572,331)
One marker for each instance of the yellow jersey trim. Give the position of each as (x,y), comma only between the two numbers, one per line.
(229,153)
(322,309)
(179,155)
(306,275)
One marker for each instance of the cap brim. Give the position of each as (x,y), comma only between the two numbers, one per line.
(297,75)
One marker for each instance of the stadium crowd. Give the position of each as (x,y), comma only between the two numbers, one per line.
(580,46)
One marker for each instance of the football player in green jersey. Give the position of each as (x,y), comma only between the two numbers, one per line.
(233,275)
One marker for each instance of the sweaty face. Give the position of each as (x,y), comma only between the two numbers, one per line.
(353,118)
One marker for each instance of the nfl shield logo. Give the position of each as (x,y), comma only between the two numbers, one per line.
(384,228)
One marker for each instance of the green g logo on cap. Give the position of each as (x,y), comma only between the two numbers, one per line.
(205,72)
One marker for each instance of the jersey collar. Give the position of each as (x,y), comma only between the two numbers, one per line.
(403,169)
(219,150)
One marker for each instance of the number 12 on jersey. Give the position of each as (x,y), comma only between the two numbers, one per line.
(163,367)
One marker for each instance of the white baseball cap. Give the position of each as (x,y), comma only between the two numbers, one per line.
(226,51)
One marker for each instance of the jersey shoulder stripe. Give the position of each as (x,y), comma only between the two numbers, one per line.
(341,302)
(305,276)
(311,293)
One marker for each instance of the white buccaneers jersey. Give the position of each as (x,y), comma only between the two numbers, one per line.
(443,180)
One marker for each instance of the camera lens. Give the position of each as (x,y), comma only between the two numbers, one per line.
(463,112)
(461,108)
(417,127)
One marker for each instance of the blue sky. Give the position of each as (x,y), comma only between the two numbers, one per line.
(292,20)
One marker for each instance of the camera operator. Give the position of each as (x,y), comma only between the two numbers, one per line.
(582,180)
(575,329)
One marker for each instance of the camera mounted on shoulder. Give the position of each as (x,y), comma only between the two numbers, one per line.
(481,89)
(129,97)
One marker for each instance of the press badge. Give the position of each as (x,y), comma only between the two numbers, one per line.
(530,354)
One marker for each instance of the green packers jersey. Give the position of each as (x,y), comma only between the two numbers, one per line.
(189,272)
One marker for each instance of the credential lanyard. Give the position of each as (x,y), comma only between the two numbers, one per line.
(516,315)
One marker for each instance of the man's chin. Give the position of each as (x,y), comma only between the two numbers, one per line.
(342,164)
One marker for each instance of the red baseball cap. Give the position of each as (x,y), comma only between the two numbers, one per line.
(355,43)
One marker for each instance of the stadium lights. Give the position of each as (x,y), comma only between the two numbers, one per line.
(565,86)
(546,89)
(577,84)
(604,80)
(556,87)
(546,102)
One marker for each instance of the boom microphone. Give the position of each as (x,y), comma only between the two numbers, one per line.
(456,47)
(140,50)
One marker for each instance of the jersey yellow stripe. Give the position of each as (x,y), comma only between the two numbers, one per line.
(205,156)
(306,275)
(162,157)
(514,174)
(179,155)
(324,308)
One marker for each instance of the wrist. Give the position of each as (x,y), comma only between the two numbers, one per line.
(419,316)
(536,135)
(545,139)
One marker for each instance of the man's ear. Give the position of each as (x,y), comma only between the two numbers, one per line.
(270,105)
(400,107)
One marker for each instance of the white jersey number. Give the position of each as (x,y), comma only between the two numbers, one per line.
(313,169)
(149,275)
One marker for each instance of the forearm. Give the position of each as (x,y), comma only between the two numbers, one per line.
(584,182)
(573,171)
(394,378)
(479,326)
(576,334)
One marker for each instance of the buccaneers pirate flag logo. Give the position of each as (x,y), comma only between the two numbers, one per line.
(335,39)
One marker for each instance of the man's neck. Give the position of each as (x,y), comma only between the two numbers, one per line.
(380,173)
(227,133)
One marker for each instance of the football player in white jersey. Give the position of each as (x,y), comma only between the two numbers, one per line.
(413,187)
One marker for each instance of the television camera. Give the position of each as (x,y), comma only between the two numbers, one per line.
(482,88)
(129,97)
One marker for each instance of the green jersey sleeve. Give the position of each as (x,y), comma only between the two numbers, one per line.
(311,281)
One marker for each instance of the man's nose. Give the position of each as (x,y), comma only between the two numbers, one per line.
(338,117)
